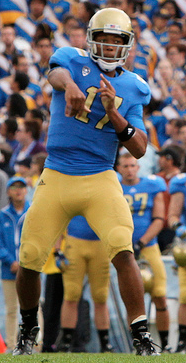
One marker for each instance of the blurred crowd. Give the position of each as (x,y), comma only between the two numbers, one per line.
(30,32)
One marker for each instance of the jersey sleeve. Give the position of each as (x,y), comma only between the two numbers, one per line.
(63,57)
(178,184)
(135,117)
(157,184)
(143,90)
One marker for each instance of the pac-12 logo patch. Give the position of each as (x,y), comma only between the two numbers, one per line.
(85,71)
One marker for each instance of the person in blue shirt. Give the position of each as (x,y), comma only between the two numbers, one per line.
(95,104)
(177,221)
(59,7)
(25,27)
(86,256)
(145,198)
(11,222)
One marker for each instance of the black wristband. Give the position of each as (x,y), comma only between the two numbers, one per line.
(127,133)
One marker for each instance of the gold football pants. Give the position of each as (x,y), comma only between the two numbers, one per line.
(59,197)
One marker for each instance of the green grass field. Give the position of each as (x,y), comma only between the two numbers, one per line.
(92,358)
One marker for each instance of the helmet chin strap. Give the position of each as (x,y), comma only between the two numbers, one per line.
(108,67)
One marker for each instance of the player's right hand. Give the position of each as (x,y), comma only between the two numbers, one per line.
(75,101)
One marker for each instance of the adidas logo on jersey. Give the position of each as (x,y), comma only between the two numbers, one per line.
(41,182)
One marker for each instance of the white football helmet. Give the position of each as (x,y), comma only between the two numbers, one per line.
(113,21)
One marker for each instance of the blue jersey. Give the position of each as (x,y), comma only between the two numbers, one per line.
(87,144)
(141,200)
(79,228)
(178,185)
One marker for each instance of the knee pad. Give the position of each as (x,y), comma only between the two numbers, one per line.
(72,292)
(119,239)
(120,236)
(100,296)
(32,257)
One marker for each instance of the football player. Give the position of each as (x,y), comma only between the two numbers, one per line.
(95,104)
(177,221)
(86,256)
(145,198)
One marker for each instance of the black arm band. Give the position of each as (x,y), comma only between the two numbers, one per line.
(127,133)
(163,219)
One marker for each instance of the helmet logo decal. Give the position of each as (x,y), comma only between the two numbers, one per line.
(110,27)
(85,71)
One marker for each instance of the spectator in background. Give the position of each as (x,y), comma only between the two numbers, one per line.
(132,8)
(37,114)
(18,84)
(26,26)
(60,8)
(142,57)
(62,38)
(28,135)
(8,36)
(21,63)
(176,53)
(77,37)
(157,36)
(172,8)
(177,107)
(15,106)
(114,4)
(161,83)
(175,33)
(85,11)
(11,221)
(8,130)
(44,48)
(172,128)
(150,7)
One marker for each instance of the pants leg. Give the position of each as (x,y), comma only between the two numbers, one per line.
(11,305)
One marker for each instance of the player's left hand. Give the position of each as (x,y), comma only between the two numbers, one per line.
(61,261)
(108,94)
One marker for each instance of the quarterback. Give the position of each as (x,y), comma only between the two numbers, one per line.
(95,104)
